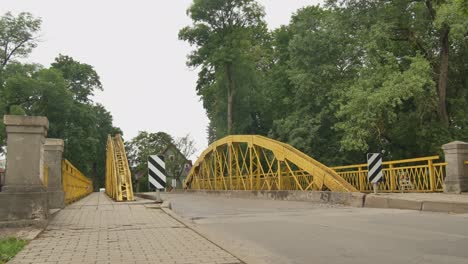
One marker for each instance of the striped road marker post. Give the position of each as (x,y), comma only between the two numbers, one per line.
(156,172)
(374,166)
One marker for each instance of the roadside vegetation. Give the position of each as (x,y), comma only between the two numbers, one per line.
(61,91)
(9,247)
(341,79)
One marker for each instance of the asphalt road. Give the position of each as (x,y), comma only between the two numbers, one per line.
(265,231)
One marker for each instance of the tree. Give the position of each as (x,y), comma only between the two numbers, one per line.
(82,78)
(186,146)
(143,145)
(61,93)
(18,36)
(225,34)
(405,70)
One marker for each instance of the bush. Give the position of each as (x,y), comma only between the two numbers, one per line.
(143,184)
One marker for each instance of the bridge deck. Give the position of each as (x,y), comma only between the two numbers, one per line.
(279,232)
(99,230)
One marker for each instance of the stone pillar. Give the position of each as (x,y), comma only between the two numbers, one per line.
(53,151)
(24,197)
(456,153)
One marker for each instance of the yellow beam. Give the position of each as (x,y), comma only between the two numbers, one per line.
(118,176)
(75,184)
(269,156)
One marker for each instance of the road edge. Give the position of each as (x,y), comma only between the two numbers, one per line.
(224,245)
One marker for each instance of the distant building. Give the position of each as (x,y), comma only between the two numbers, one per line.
(177,167)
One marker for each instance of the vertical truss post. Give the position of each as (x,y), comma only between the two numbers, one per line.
(392,177)
(280,177)
(259,166)
(251,176)
(229,153)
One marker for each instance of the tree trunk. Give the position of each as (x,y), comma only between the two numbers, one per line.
(231,95)
(443,74)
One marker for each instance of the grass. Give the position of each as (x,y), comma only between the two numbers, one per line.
(9,247)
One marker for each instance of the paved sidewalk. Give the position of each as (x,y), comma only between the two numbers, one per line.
(98,230)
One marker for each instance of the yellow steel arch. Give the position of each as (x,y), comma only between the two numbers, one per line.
(118,176)
(259,163)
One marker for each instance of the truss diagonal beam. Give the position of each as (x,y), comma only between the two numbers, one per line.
(260,163)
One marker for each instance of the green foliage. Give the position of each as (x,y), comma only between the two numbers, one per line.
(142,185)
(341,80)
(9,247)
(144,144)
(229,37)
(384,96)
(61,93)
(18,36)
(82,78)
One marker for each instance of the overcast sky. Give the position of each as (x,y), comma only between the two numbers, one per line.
(133,45)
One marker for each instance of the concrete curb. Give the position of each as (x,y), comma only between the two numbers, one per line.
(148,196)
(324,197)
(348,199)
(454,207)
(376,201)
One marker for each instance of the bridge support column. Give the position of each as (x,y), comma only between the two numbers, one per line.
(53,152)
(456,153)
(23,199)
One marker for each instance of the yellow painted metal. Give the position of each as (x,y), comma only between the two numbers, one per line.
(412,175)
(259,163)
(45,175)
(118,176)
(75,184)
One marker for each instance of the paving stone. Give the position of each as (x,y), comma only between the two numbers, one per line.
(98,230)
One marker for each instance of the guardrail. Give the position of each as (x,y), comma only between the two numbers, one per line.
(409,175)
(75,184)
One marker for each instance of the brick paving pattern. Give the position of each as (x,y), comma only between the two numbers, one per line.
(98,230)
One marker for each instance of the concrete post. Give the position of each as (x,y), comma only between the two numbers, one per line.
(24,197)
(53,152)
(456,153)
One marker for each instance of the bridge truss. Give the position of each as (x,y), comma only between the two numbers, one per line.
(259,163)
(118,176)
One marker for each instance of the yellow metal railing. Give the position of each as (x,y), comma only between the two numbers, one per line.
(409,175)
(75,184)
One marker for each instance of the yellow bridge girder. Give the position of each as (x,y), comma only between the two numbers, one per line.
(258,163)
(118,176)
(75,184)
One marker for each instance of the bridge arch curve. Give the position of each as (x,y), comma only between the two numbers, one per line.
(250,162)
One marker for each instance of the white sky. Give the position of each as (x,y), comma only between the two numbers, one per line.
(133,46)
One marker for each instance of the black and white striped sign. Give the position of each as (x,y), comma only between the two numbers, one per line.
(374,165)
(156,172)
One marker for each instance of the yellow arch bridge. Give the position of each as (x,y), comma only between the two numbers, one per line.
(260,163)
(118,176)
